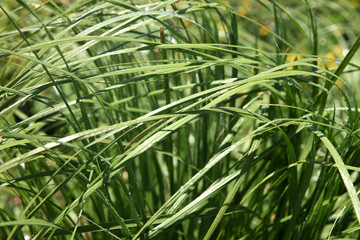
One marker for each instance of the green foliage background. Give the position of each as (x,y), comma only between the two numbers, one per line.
(179,119)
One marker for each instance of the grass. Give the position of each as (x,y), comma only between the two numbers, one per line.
(179,119)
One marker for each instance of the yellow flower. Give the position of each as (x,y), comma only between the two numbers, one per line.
(226,2)
(354,3)
(265,30)
(330,57)
(244,8)
(338,51)
(330,62)
(293,58)
(186,22)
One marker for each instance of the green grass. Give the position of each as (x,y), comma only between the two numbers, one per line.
(179,119)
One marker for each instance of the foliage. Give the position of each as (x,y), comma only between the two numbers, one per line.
(179,119)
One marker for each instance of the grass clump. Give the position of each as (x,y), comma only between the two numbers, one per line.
(179,119)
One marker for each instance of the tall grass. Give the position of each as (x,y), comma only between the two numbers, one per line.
(179,119)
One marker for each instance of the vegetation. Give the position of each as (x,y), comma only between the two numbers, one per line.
(174,119)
